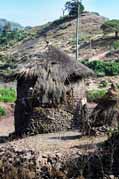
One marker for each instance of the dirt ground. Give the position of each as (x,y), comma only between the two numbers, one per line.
(7,122)
(58,142)
(47,143)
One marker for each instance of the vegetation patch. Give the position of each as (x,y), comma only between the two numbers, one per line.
(103,68)
(116,45)
(95,95)
(2,112)
(103,84)
(7,95)
(111,26)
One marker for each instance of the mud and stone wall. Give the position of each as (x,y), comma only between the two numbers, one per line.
(46,120)
(32,118)
(28,164)
(79,91)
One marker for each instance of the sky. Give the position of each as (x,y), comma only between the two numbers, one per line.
(37,12)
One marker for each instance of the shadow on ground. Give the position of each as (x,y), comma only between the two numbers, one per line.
(4,139)
(73,137)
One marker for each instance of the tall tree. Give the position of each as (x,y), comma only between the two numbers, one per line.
(111,26)
(72,7)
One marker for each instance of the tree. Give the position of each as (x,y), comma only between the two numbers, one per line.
(72,7)
(7,27)
(111,26)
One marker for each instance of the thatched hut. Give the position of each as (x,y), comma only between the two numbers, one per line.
(48,89)
(106,113)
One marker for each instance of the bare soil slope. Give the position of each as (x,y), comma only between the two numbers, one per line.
(61,33)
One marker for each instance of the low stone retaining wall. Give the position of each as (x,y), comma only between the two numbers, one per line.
(28,164)
(45,120)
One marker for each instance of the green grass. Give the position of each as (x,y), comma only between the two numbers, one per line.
(2,111)
(116,45)
(95,95)
(7,95)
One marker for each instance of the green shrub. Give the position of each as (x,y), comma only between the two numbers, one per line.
(117,85)
(103,68)
(116,45)
(8,39)
(7,95)
(95,95)
(2,111)
(103,84)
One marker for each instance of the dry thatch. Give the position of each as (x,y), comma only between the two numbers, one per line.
(54,71)
(106,113)
(61,65)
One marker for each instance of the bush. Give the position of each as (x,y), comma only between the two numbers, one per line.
(2,111)
(111,26)
(116,45)
(10,38)
(103,84)
(7,95)
(95,95)
(103,68)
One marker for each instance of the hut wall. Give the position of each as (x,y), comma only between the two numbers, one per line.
(23,87)
(48,120)
(79,92)
(30,119)
(23,107)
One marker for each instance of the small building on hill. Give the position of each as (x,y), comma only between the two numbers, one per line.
(49,89)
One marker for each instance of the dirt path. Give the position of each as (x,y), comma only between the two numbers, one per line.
(99,56)
(47,143)
(7,122)
(57,142)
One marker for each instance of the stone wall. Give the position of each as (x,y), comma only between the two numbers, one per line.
(47,120)
(28,164)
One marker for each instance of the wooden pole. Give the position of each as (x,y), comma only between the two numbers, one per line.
(77,31)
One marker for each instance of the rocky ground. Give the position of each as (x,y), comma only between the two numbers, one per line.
(65,155)
(60,155)
(43,156)
(60,142)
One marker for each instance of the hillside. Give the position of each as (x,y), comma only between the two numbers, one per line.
(60,33)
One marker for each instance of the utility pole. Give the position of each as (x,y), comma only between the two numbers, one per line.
(77,29)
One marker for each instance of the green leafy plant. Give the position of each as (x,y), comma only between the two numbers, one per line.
(95,95)
(111,26)
(103,68)
(9,38)
(7,95)
(2,111)
(116,45)
(103,84)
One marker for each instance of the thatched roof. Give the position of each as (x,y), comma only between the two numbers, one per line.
(54,70)
(61,66)
(106,113)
